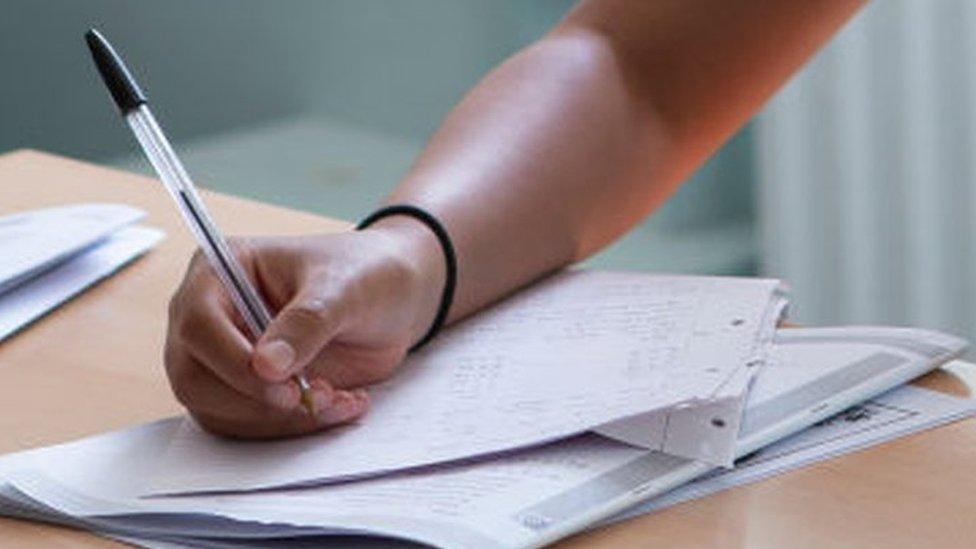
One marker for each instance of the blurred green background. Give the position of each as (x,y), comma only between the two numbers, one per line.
(318,105)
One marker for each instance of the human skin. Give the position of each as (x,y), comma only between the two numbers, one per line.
(552,156)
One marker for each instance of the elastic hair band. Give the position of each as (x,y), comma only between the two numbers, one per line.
(450,259)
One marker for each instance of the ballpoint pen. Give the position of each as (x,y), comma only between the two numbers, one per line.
(132,102)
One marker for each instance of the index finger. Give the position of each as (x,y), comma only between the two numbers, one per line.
(202,323)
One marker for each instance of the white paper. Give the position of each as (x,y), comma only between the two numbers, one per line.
(32,299)
(33,241)
(899,413)
(523,499)
(704,431)
(579,350)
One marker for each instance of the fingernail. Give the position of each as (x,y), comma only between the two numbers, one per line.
(279,355)
(344,407)
(321,399)
(283,396)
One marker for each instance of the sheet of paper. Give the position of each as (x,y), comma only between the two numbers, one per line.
(705,431)
(576,351)
(418,505)
(899,413)
(31,242)
(522,499)
(32,299)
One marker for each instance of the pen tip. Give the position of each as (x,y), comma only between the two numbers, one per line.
(307,402)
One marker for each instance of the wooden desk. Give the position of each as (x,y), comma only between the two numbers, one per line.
(95,365)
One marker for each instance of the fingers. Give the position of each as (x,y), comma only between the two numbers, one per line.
(343,407)
(203,327)
(224,411)
(342,319)
(297,334)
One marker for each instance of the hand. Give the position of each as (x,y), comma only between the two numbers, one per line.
(348,306)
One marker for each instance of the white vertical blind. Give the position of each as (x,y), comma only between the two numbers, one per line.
(866,163)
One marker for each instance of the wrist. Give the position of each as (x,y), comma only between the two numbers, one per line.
(419,259)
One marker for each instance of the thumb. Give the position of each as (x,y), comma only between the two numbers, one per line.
(296,335)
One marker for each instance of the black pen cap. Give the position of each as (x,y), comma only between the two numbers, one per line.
(126,93)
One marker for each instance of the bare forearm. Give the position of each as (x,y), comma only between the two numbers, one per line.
(571,142)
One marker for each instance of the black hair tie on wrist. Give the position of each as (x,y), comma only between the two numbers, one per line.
(450,259)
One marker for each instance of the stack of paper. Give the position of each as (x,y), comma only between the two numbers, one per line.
(897,413)
(580,351)
(525,498)
(48,256)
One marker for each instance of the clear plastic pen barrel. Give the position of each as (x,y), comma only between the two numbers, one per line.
(181,188)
